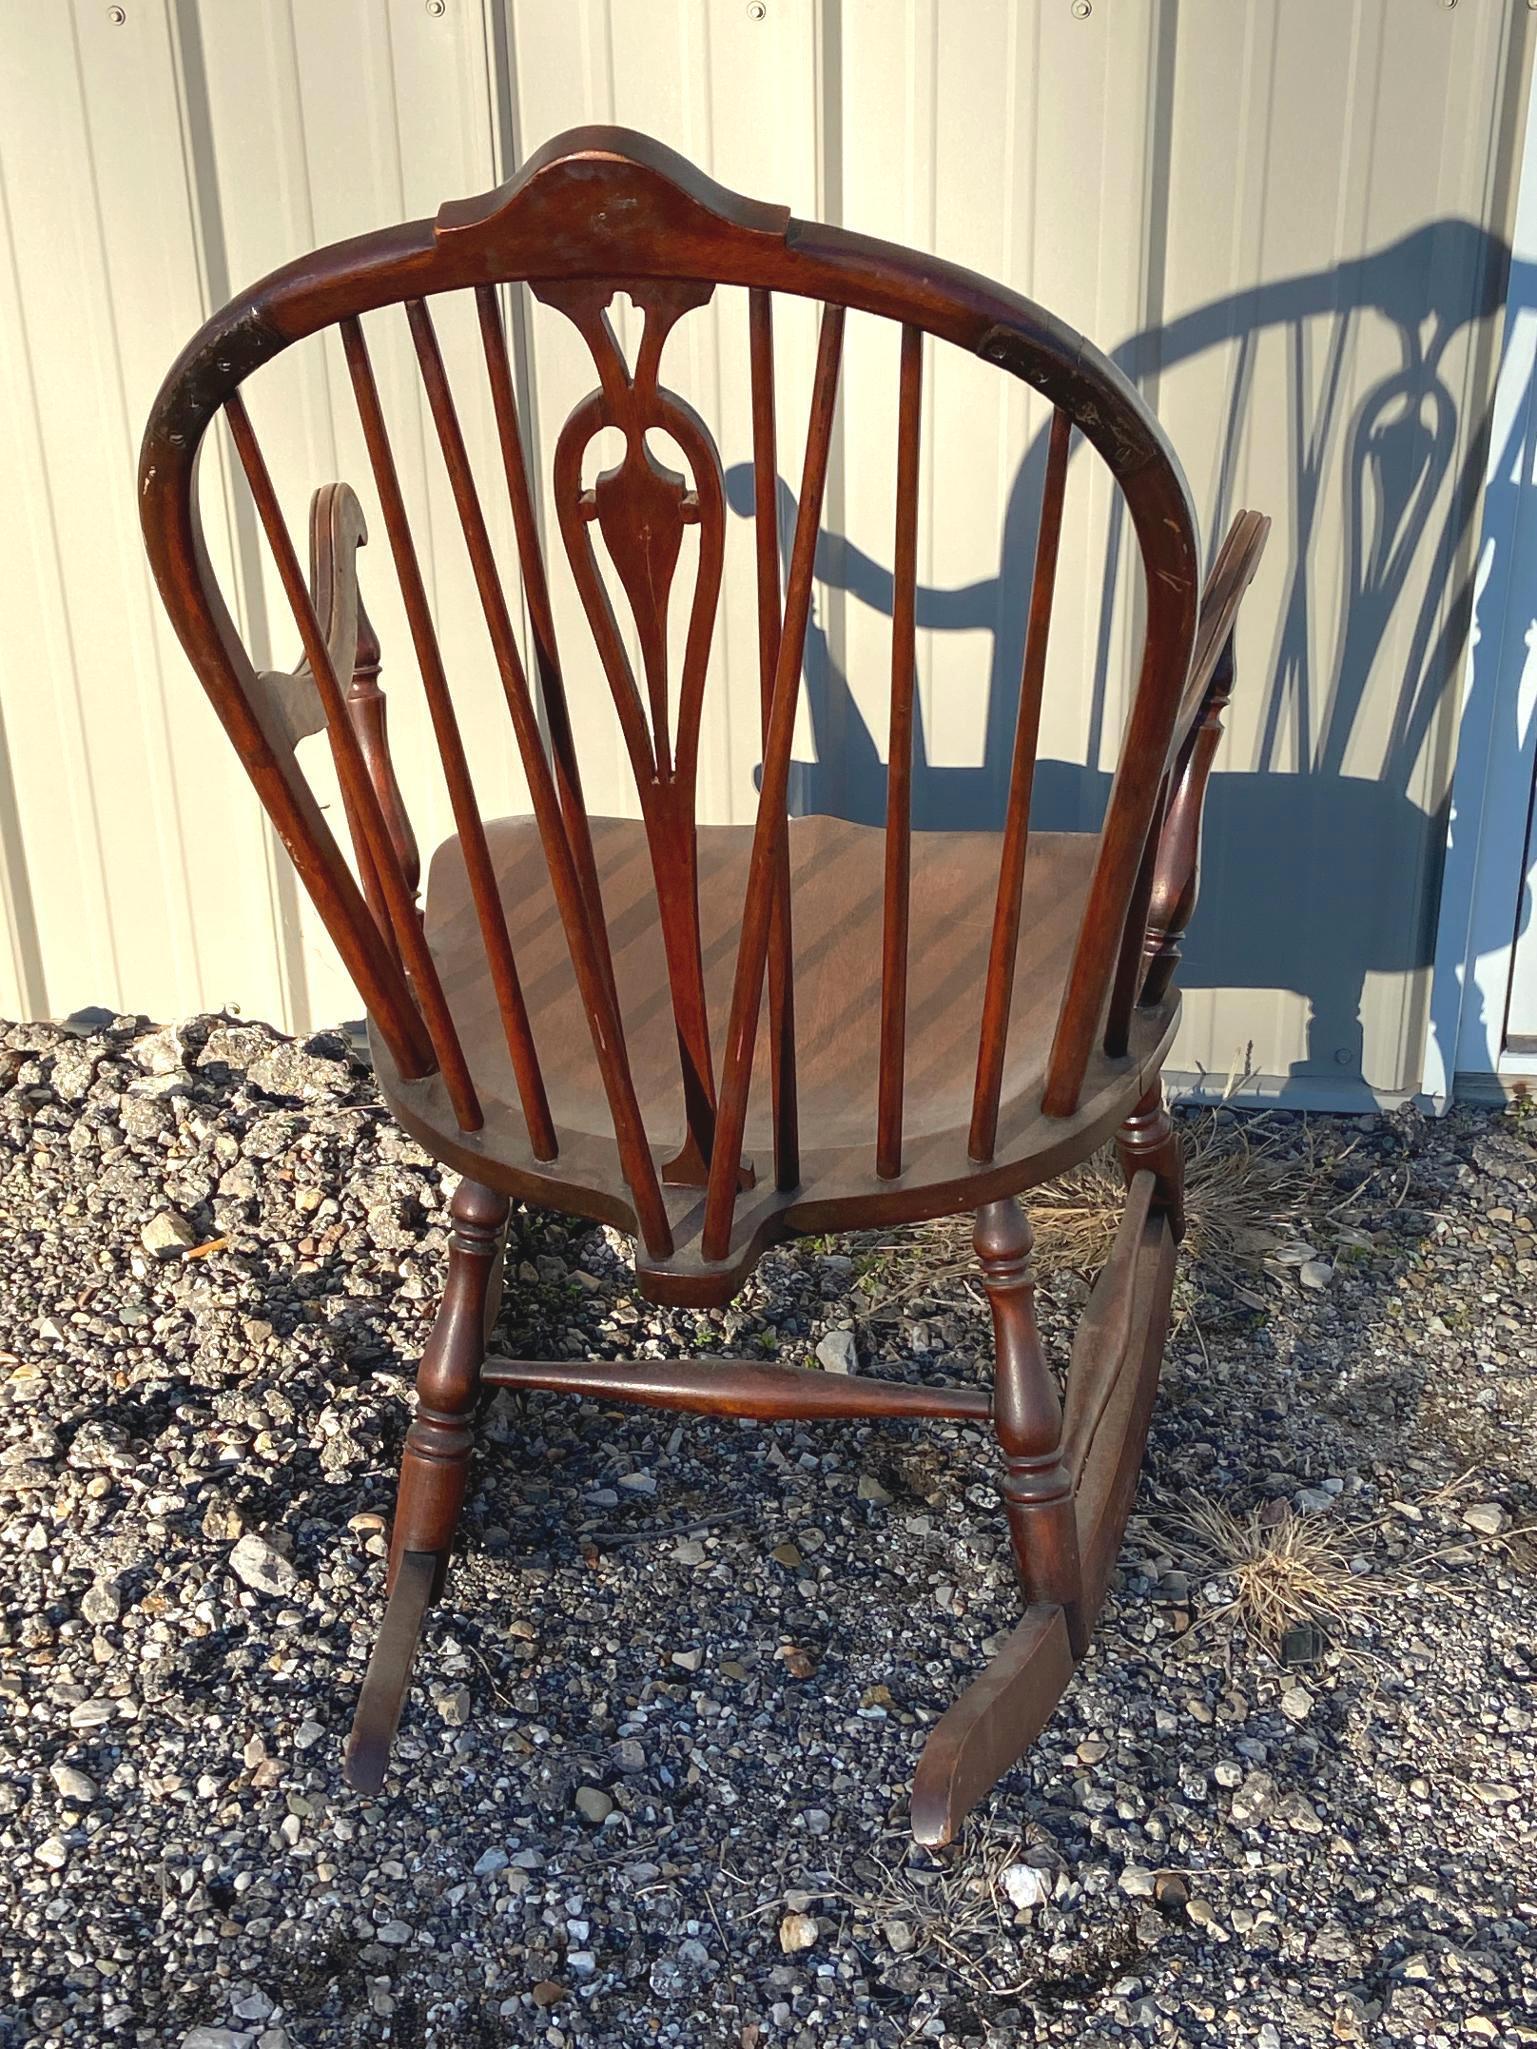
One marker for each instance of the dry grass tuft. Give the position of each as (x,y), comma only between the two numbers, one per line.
(1248,1196)
(1284,1568)
(1255,1202)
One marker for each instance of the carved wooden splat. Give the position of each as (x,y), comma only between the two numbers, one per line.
(640,507)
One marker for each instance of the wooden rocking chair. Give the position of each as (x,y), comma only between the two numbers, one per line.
(574,1018)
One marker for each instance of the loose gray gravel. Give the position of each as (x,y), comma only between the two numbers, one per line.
(652,1781)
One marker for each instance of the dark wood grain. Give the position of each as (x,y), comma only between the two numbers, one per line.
(998,989)
(500,963)
(336,533)
(641,509)
(899,765)
(536,595)
(992,1725)
(740,1387)
(357,787)
(1148,1140)
(769,833)
(1105,1331)
(1027,1416)
(604,1025)
(1130,959)
(781,967)
(1177,858)
(552,1024)
(1108,1484)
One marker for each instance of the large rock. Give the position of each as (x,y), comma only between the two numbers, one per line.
(167,1233)
(264,1570)
(288,1069)
(837,1352)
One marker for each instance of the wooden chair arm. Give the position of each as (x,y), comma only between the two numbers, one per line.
(1231,575)
(1197,732)
(291,707)
(337,531)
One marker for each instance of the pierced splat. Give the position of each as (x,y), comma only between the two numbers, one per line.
(640,507)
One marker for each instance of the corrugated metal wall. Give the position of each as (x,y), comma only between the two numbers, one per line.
(1287,219)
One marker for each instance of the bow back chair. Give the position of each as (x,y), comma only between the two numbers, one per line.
(716,1037)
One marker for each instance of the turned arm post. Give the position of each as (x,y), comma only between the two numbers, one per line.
(1176,872)
(337,531)
(367,711)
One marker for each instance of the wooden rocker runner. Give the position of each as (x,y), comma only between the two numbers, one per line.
(935,1022)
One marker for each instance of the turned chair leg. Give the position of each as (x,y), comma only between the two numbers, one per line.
(1027,1415)
(1069,1482)
(434,1472)
(1148,1139)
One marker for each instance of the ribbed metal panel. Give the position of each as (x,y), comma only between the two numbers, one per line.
(1285,218)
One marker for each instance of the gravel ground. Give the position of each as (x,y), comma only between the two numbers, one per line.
(652,1782)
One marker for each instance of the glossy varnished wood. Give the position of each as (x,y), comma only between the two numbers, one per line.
(366,1759)
(576,1013)
(604,1024)
(896,900)
(1106,1331)
(641,509)
(998,989)
(1027,1415)
(992,1725)
(781,973)
(541,618)
(1003,1710)
(359,794)
(741,1387)
(433,1472)
(770,831)
(501,967)
(592,211)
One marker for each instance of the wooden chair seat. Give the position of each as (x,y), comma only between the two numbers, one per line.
(836,881)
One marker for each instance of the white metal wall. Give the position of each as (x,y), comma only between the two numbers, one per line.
(1286,218)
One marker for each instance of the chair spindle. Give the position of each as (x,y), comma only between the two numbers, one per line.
(603,1016)
(1131,961)
(998,990)
(781,966)
(770,831)
(536,592)
(899,764)
(478,864)
(358,793)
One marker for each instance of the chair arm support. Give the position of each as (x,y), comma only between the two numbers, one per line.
(1198,732)
(291,702)
(1231,574)
(1176,870)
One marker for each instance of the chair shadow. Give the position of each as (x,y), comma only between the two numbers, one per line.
(1315,874)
